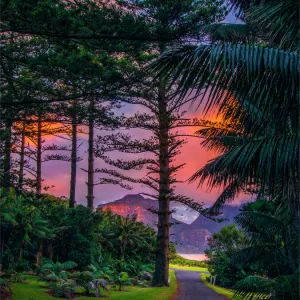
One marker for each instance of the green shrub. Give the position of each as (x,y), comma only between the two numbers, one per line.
(5,289)
(63,288)
(121,279)
(55,271)
(17,277)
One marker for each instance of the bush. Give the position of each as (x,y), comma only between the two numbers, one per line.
(55,271)
(63,289)
(121,279)
(145,276)
(17,277)
(5,289)
(83,279)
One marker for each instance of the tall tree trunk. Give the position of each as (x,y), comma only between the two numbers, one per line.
(22,155)
(50,249)
(39,158)
(161,273)
(90,183)
(7,157)
(8,133)
(39,254)
(73,158)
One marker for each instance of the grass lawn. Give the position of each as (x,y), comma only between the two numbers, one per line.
(37,291)
(196,269)
(217,289)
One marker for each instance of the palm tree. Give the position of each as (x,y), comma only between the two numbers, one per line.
(129,233)
(26,224)
(272,243)
(254,86)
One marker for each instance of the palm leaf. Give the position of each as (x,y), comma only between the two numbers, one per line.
(228,195)
(253,287)
(267,227)
(226,32)
(257,287)
(69,265)
(263,77)
(280,20)
(261,161)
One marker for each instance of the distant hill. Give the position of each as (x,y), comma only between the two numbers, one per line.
(228,212)
(187,238)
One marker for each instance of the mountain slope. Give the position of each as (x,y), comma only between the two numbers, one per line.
(187,238)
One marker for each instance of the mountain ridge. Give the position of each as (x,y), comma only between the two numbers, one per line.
(188,238)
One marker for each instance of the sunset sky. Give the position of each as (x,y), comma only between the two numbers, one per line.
(57,173)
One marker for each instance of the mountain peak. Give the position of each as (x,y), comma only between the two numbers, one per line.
(133,197)
(186,237)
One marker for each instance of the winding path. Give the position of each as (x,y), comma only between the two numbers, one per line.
(191,287)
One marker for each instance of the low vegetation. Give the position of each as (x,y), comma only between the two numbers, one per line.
(220,290)
(178,260)
(104,251)
(259,256)
(187,268)
(34,289)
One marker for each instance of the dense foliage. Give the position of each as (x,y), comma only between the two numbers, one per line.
(261,255)
(248,74)
(66,76)
(221,247)
(41,234)
(67,67)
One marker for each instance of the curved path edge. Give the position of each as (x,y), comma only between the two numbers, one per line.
(191,287)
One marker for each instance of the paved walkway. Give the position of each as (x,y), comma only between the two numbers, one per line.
(191,287)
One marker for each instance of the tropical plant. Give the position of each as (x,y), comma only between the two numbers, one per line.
(97,284)
(63,288)
(272,244)
(16,276)
(254,87)
(132,236)
(259,287)
(5,288)
(23,224)
(252,84)
(51,271)
(220,250)
(85,278)
(121,279)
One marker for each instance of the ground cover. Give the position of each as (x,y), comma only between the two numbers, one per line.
(220,290)
(196,269)
(35,290)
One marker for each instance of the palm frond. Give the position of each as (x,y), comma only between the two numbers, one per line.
(69,265)
(240,6)
(263,77)
(259,161)
(254,287)
(228,195)
(280,20)
(226,32)
(260,227)
(220,136)
(268,255)
(257,287)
